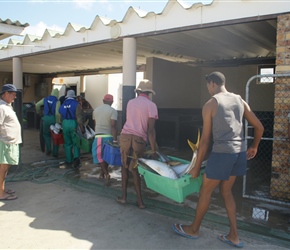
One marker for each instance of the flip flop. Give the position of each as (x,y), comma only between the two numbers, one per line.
(8,197)
(182,233)
(9,191)
(223,238)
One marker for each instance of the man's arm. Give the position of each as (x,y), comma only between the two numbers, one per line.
(114,129)
(152,134)
(258,130)
(38,105)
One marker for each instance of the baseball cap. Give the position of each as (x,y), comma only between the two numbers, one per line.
(108,98)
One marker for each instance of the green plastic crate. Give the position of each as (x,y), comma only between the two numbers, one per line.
(84,144)
(176,190)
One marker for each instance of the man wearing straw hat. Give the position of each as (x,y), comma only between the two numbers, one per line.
(140,124)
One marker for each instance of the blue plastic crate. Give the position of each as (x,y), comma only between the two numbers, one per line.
(112,155)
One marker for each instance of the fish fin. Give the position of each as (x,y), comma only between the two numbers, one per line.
(198,139)
(192,145)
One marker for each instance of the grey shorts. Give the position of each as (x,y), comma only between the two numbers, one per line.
(9,153)
(220,166)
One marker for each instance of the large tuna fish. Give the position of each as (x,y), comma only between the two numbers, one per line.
(171,168)
(183,169)
(159,167)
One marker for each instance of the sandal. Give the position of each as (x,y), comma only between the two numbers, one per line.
(9,191)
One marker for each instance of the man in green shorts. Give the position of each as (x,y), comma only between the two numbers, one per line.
(10,138)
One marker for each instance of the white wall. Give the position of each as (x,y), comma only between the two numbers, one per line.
(181,86)
(176,85)
(115,88)
(96,86)
(261,96)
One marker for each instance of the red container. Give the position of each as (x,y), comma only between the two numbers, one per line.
(57,138)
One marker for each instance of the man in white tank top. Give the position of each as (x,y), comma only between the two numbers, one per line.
(223,119)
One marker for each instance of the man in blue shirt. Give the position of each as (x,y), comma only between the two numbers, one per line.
(50,117)
(71,115)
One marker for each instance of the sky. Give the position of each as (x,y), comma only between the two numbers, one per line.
(56,15)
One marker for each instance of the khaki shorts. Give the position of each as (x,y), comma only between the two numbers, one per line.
(9,154)
(132,146)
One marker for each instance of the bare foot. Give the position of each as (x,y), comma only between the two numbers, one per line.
(120,200)
(140,205)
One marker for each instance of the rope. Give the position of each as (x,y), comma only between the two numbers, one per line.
(38,174)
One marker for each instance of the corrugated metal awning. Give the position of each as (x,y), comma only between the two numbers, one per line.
(9,28)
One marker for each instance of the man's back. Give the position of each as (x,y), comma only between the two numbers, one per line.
(139,110)
(103,115)
(227,128)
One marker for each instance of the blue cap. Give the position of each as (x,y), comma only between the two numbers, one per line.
(8,88)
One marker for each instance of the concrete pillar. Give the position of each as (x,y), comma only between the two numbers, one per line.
(82,85)
(17,73)
(129,73)
(18,82)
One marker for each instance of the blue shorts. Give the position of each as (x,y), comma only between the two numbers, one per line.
(220,166)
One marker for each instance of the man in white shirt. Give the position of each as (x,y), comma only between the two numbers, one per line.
(10,138)
(105,118)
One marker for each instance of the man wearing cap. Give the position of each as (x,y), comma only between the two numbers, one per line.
(105,119)
(50,117)
(223,118)
(141,115)
(10,138)
(71,115)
